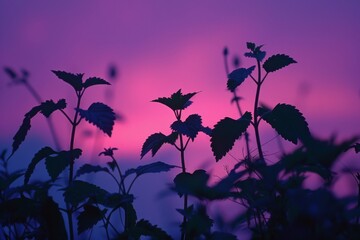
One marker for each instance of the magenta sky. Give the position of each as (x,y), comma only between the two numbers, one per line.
(161,46)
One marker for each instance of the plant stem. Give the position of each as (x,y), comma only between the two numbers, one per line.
(256,120)
(120,174)
(182,155)
(71,171)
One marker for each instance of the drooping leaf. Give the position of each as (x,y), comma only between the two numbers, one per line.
(88,168)
(48,107)
(190,127)
(277,62)
(145,228)
(79,191)
(52,222)
(130,215)
(154,142)
(94,81)
(75,80)
(89,217)
(288,122)
(238,76)
(155,167)
(24,128)
(56,164)
(101,115)
(40,155)
(226,132)
(177,101)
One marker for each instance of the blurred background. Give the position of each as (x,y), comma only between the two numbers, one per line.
(150,49)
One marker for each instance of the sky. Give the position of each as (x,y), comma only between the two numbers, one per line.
(161,46)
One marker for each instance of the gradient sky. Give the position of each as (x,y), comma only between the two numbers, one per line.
(162,46)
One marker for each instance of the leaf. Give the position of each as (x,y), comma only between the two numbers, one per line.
(145,228)
(24,129)
(222,236)
(250,46)
(255,51)
(154,142)
(94,81)
(190,127)
(194,184)
(89,217)
(40,155)
(288,122)
(155,167)
(101,115)
(56,164)
(52,222)
(17,210)
(88,168)
(79,191)
(177,101)
(277,62)
(48,107)
(75,80)
(238,76)
(198,222)
(226,132)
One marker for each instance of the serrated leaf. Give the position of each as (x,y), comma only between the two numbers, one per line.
(177,101)
(94,81)
(288,122)
(56,164)
(75,80)
(226,132)
(89,217)
(48,107)
(24,129)
(88,168)
(238,76)
(154,142)
(277,62)
(79,191)
(101,115)
(40,155)
(155,167)
(145,228)
(190,127)
(194,184)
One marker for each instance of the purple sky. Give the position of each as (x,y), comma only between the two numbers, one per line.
(161,46)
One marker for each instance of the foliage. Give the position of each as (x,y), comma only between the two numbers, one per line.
(275,202)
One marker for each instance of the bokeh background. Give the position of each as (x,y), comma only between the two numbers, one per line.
(161,46)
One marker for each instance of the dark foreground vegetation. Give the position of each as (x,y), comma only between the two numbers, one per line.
(276,203)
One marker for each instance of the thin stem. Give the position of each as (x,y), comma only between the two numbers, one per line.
(256,120)
(120,174)
(182,155)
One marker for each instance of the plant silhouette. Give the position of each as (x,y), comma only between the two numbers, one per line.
(274,202)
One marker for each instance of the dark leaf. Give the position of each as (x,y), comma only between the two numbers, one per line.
(40,155)
(238,76)
(277,62)
(130,216)
(10,72)
(155,167)
(250,46)
(288,122)
(94,81)
(145,228)
(222,236)
(79,191)
(226,132)
(154,142)
(24,128)
(6,179)
(117,200)
(194,184)
(75,80)
(101,115)
(48,107)
(89,217)
(199,223)
(177,101)
(52,222)
(88,168)
(56,164)
(17,210)
(190,127)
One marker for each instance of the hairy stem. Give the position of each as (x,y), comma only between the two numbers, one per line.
(256,120)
